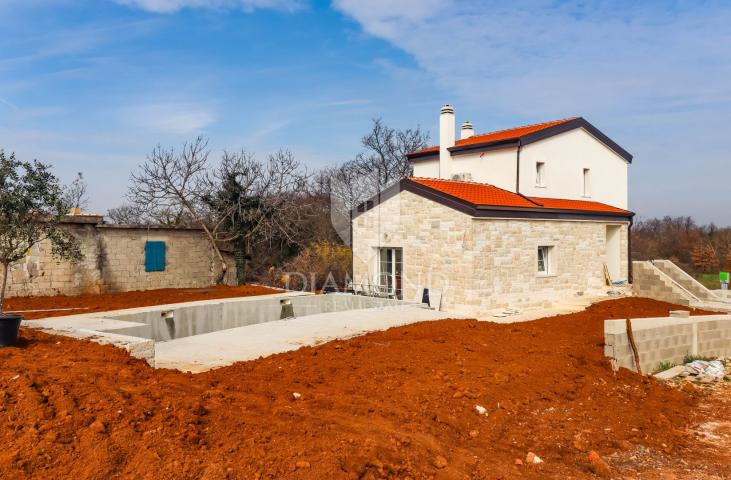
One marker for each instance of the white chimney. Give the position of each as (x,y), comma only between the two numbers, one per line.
(467,130)
(446,140)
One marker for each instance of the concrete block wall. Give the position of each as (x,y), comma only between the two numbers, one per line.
(667,340)
(723,295)
(114,261)
(482,264)
(189,259)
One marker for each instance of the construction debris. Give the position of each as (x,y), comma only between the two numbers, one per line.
(714,368)
(699,371)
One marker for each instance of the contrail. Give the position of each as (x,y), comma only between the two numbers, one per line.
(10,105)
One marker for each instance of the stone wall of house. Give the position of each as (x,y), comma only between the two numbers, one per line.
(481,265)
(114,261)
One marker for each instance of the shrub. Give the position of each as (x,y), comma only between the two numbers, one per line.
(320,265)
(662,367)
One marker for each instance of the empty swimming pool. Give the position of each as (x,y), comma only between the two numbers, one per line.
(163,324)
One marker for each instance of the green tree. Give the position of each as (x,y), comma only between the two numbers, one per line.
(31,206)
(257,202)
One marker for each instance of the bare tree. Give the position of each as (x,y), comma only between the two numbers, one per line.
(385,151)
(75,194)
(129,214)
(177,182)
(126,215)
(704,257)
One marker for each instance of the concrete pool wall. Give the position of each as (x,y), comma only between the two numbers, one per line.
(199,336)
(170,323)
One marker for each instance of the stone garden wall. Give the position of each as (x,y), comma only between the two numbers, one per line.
(114,261)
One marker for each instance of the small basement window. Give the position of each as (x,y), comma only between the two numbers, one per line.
(545,260)
(154,256)
(540,174)
(587,182)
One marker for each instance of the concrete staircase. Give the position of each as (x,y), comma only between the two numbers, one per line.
(649,281)
(686,281)
(663,280)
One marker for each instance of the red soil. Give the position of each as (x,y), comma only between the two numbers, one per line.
(89,303)
(393,404)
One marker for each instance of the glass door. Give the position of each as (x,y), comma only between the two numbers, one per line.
(390,271)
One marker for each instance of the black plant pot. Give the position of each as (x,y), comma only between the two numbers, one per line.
(9,327)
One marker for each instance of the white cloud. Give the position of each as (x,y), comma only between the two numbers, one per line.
(170,6)
(385,17)
(541,56)
(174,118)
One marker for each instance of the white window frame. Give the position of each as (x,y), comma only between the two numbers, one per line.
(549,260)
(541,174)
(392,273)
(586,179)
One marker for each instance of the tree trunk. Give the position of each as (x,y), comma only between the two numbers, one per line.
(242,260)
(635,352)
(4,284)
(212,240)
(240,263)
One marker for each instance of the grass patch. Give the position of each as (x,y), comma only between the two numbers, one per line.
(662,367)
(708,280)
(692,358)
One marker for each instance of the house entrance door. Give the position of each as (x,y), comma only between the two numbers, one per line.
(390,270)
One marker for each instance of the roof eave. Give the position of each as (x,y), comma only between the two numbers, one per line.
(625,214)
(421,155)
(579,122)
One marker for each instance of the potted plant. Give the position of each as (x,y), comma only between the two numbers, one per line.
(31,207)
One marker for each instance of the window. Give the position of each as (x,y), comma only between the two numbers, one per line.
(540,174)
(545,260)
(587,182)
(155,256)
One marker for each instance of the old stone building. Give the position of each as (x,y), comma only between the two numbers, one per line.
(119,258)
(552,230)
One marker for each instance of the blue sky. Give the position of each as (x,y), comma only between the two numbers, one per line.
(93,86)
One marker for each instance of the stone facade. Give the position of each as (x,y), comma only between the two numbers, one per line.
(483,264)
(114,261)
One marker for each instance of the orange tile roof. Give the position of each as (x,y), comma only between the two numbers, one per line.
(483,194)
(565,204)
(500,135)
(476,193)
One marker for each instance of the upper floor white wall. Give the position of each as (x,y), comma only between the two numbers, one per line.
(496,167)
(427,167)
(565,156)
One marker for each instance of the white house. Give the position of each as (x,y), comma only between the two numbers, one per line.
(518,217)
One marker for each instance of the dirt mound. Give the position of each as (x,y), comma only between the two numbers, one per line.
(393,404)
(70,305)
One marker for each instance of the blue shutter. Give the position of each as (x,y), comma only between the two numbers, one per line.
(155,256)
